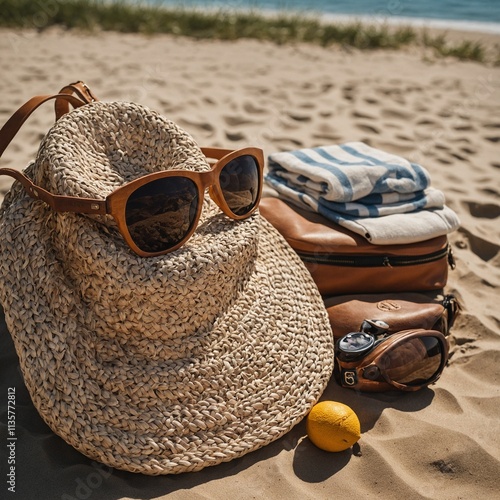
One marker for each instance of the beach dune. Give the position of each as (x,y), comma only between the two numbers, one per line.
(439,443)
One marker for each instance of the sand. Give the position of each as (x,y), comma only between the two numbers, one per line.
(439,443)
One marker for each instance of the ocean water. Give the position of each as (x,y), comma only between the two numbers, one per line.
(481,15)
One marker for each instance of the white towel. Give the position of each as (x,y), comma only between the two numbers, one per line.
(401,229)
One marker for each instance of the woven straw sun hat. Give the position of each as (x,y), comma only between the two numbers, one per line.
(154,365)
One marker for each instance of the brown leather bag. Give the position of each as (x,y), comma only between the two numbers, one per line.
(401,311)
(342,262)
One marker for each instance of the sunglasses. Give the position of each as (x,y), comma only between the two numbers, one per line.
(159,212)
(408,360)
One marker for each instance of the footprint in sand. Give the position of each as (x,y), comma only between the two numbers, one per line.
(315,90)
(326,87)
(254,109)
(237,120)
(170,107)
(327,138)
(299,117)
(468,151)
(420,108)
(257,90)
(445,114)
(426,122)
(326,132)
(495,138)
(209,100)
(458,156)
(363,115)
(368,141)
(444,161)
(464,128)
(483,210)
(395,95)
(484,249)
(235,136)
(368,128)
(348,92)
(399,114)
(287,143)
(490,191)
(491,125)
(460,139)
(404,138)
(396,148)
(200,125)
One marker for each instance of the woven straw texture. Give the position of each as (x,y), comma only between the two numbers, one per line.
(154,365)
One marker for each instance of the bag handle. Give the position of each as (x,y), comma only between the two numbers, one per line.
(80,89)
(77,94)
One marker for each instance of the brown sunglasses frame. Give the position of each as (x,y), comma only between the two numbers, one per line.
(114,204)
(371,359)
(78,94)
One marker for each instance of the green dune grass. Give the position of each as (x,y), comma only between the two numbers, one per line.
(283,27)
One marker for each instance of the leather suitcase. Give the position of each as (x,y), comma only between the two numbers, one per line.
(342,262)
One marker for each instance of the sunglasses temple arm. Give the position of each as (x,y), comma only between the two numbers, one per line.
(216,153)
(56,202)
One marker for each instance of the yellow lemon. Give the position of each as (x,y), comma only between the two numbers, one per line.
(333,426)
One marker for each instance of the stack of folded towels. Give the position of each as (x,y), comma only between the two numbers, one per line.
(381,196)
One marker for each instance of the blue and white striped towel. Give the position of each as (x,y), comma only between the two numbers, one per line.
(364,189)
(347,172)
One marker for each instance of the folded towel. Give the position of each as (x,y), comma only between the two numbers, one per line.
(380,196)
(402,229)
(422,200)
(375,205)
(346,172)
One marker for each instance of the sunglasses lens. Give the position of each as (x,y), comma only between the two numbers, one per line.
(239,182)
(414,362)
(161,213)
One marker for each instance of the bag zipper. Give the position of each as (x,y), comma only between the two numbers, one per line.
(378,260)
